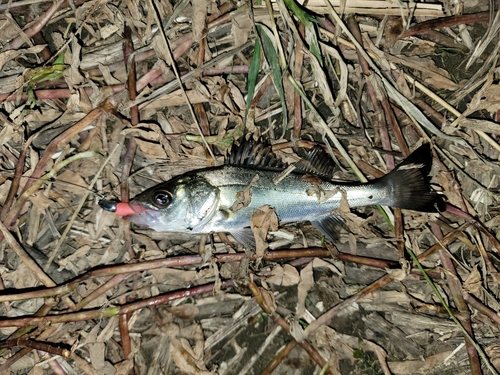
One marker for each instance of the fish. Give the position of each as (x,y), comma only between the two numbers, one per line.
(224,198)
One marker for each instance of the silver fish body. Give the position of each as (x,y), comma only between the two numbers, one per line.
(223,199)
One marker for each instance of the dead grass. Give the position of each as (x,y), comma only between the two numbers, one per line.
(93,106)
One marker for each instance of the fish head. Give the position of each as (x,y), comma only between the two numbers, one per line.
(184,204)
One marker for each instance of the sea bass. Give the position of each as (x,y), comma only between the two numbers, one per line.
(223,199)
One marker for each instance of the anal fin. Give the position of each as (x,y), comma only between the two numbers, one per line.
(330,225)
(245,237)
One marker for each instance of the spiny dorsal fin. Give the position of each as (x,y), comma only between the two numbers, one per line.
(254,154)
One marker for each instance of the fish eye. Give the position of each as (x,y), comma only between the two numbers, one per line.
(162,198)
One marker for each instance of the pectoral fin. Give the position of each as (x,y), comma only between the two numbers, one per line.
(330,226)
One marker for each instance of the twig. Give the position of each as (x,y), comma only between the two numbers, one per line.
(31,344)
(20,39)
(111,311)
(439,23)
(483,309)
(18,173)
(178,261)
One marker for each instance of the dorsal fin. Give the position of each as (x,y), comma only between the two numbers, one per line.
(254,154)
(317,162)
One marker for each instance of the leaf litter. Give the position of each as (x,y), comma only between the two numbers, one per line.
(93,106)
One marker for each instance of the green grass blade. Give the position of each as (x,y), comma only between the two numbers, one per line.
(276,73)
(253,72)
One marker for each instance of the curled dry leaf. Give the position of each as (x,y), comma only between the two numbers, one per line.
(186,363)
(244,197)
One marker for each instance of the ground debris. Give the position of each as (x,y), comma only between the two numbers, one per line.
(98,101)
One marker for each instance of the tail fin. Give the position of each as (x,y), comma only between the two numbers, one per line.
(409,185)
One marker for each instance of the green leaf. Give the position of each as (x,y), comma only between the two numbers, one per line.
(358,353)
(253,72)
(47,73)
(276,73)
(299,12)
(312,41)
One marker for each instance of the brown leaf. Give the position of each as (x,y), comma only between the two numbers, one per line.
(199,18)
(242,26)
(40,201)
(305,284)
(269,300)
(263,220)
(186,312)
(151,150)
(244,197)
(183,358)
(72,182)
(473,282)
(285,275)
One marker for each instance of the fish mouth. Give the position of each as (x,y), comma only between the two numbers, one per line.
(121,208)
(133,212)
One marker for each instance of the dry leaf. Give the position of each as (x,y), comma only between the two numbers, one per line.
(431,74)
(419,366)
(172,276)
(319,263)
(491,98)
(151,150)
(290,275)
(276,275)
(40,201)
(184,360)
(124,367)
(242,26)
(244,197)
(285,275)
(21,278)
(473,282)
(12,54)
(263,220)
(493,352)
(71,182)
(305,284)
(186,312)
(199,18)
(269,300)
(81,252)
